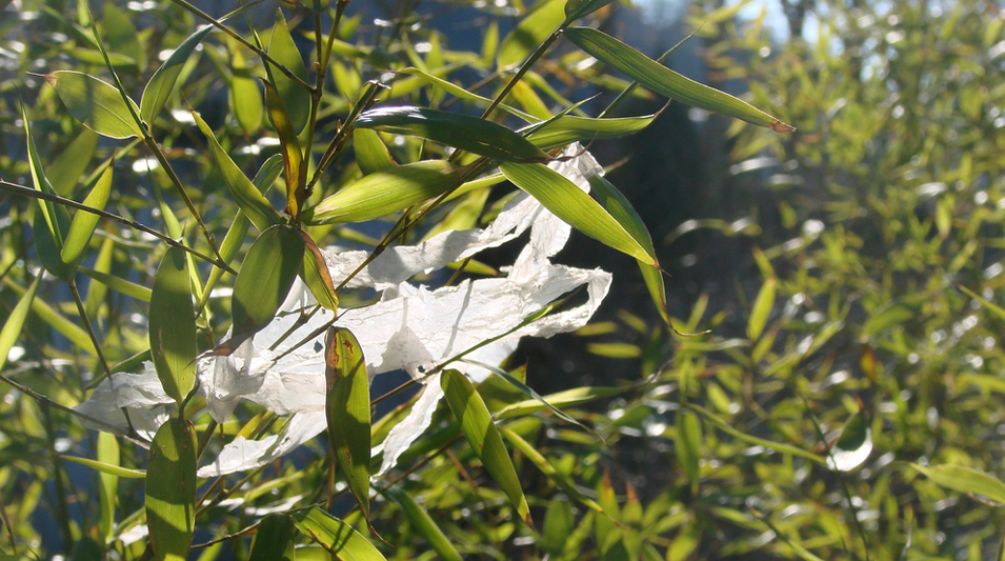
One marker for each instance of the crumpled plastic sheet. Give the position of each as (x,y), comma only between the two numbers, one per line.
(411,328)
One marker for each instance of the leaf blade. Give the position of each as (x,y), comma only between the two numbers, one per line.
(96,104)
(172,326)
(170,490)
(162,83)
(347,411)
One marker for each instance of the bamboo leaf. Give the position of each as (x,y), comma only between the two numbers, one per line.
(687,445)
(51,220)
(66,170)
(265,278)
(965,480)
(336,536)
(172,326)
(274,540)
(483,436)
(170,490)
(567,201)
(119,284)
(295,98)
(384,192)
(763,304)
(316,275)
(371,153)
(468,133)
(105,467)
(96,104)
(570,128)
(575,9)
(425,525)
(546,467)
(162,83)
(76,335)
(558,524)
(245,99)
(83,224)
(247,196)
(566,398)
(531,32)
(15,321)
(666,82)
(347,410)
(293,171)
(108,483)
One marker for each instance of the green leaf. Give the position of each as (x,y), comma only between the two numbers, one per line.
(571,204)
(119,284)
(293,171)
(853,446)
(570,128)
(265,278)
(122,37)
(107,468)
(531,32)
(108,482)
(83,224)
(96,104)
(687,445)
(247,196)
(15,321)
(347,410)
(172,326)
(76,335)
(483,436)
(544,466)
(170,490)
(66,170)
(468,133)
(425,525)
(763,305)
(666,82)
(273,540)
(245,99)
(316,275)
(621,209)
(570,397)
(575,9)
(162,83)
(295,98)
(51,220)
(384,192)
(558,524)
(965,480)
(371,153)
(336,536)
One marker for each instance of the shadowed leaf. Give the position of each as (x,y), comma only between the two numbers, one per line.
(172,326)
(96,104)
(162,83)
(347,410)
(170,490)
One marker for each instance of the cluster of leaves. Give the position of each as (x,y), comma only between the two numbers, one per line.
(844,401)
(190,217)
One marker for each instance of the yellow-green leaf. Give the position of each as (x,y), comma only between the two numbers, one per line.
(295,98)
(84,223)
(106,467)
(162,83)
(265,278)
(371,152)
(49,315)
(96,104)
(337,537)
(66,170)
(483,436)
(763,304)
(466,132)
(15,321)
(387,191)
(575,9)
(531,32)
(965,480)
(170,490)
(118,284)
(568,202)
(108,482)
(347,410)
(544,466)
(666,82)
(570,128)
(687,445)
(425,525)
(51,220)
(273,540)
(293,171)
(316,275)
(172,326)
(247,196)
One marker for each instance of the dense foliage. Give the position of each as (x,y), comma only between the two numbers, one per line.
(282,213)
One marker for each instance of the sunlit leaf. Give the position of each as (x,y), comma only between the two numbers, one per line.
(51,221)
(108,482)
(247,196)
(107,468)
(371,153)
(74,333)
(347,410)
(162,83)
(575,9)
(170,490)
(548,469)
(965,480)
(14,323)
(83,223)
(295,99)
(558,524)
(664,81)
(316,274)
(265,278)
(531,32)
(466,132)
(245,99)
(567,201)
(425,525)
(293,170)
(67,169)
(763,305)
(384,192)
(570,128)
(336,536)
(96,104)
(118,284)
(687,445)
(172,326)
(483,436)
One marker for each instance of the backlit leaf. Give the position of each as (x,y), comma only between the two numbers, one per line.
(425,525)
(483,436)
(162,83)
(170,490)
(336,536)
(96,104)
(68,168)
(295,99)
(274,540)
(462,131)
(763,304)
(108,482)
(531,32)
(965,480)
(688,443)
(265,278)
(83,224)
(347,410)
(107,468)
(666,82)
(371,153)
(575,9)
(172,326)
(384,192)
(316,274)
(15,321)
(568,202)
(570,128)
(293,171)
